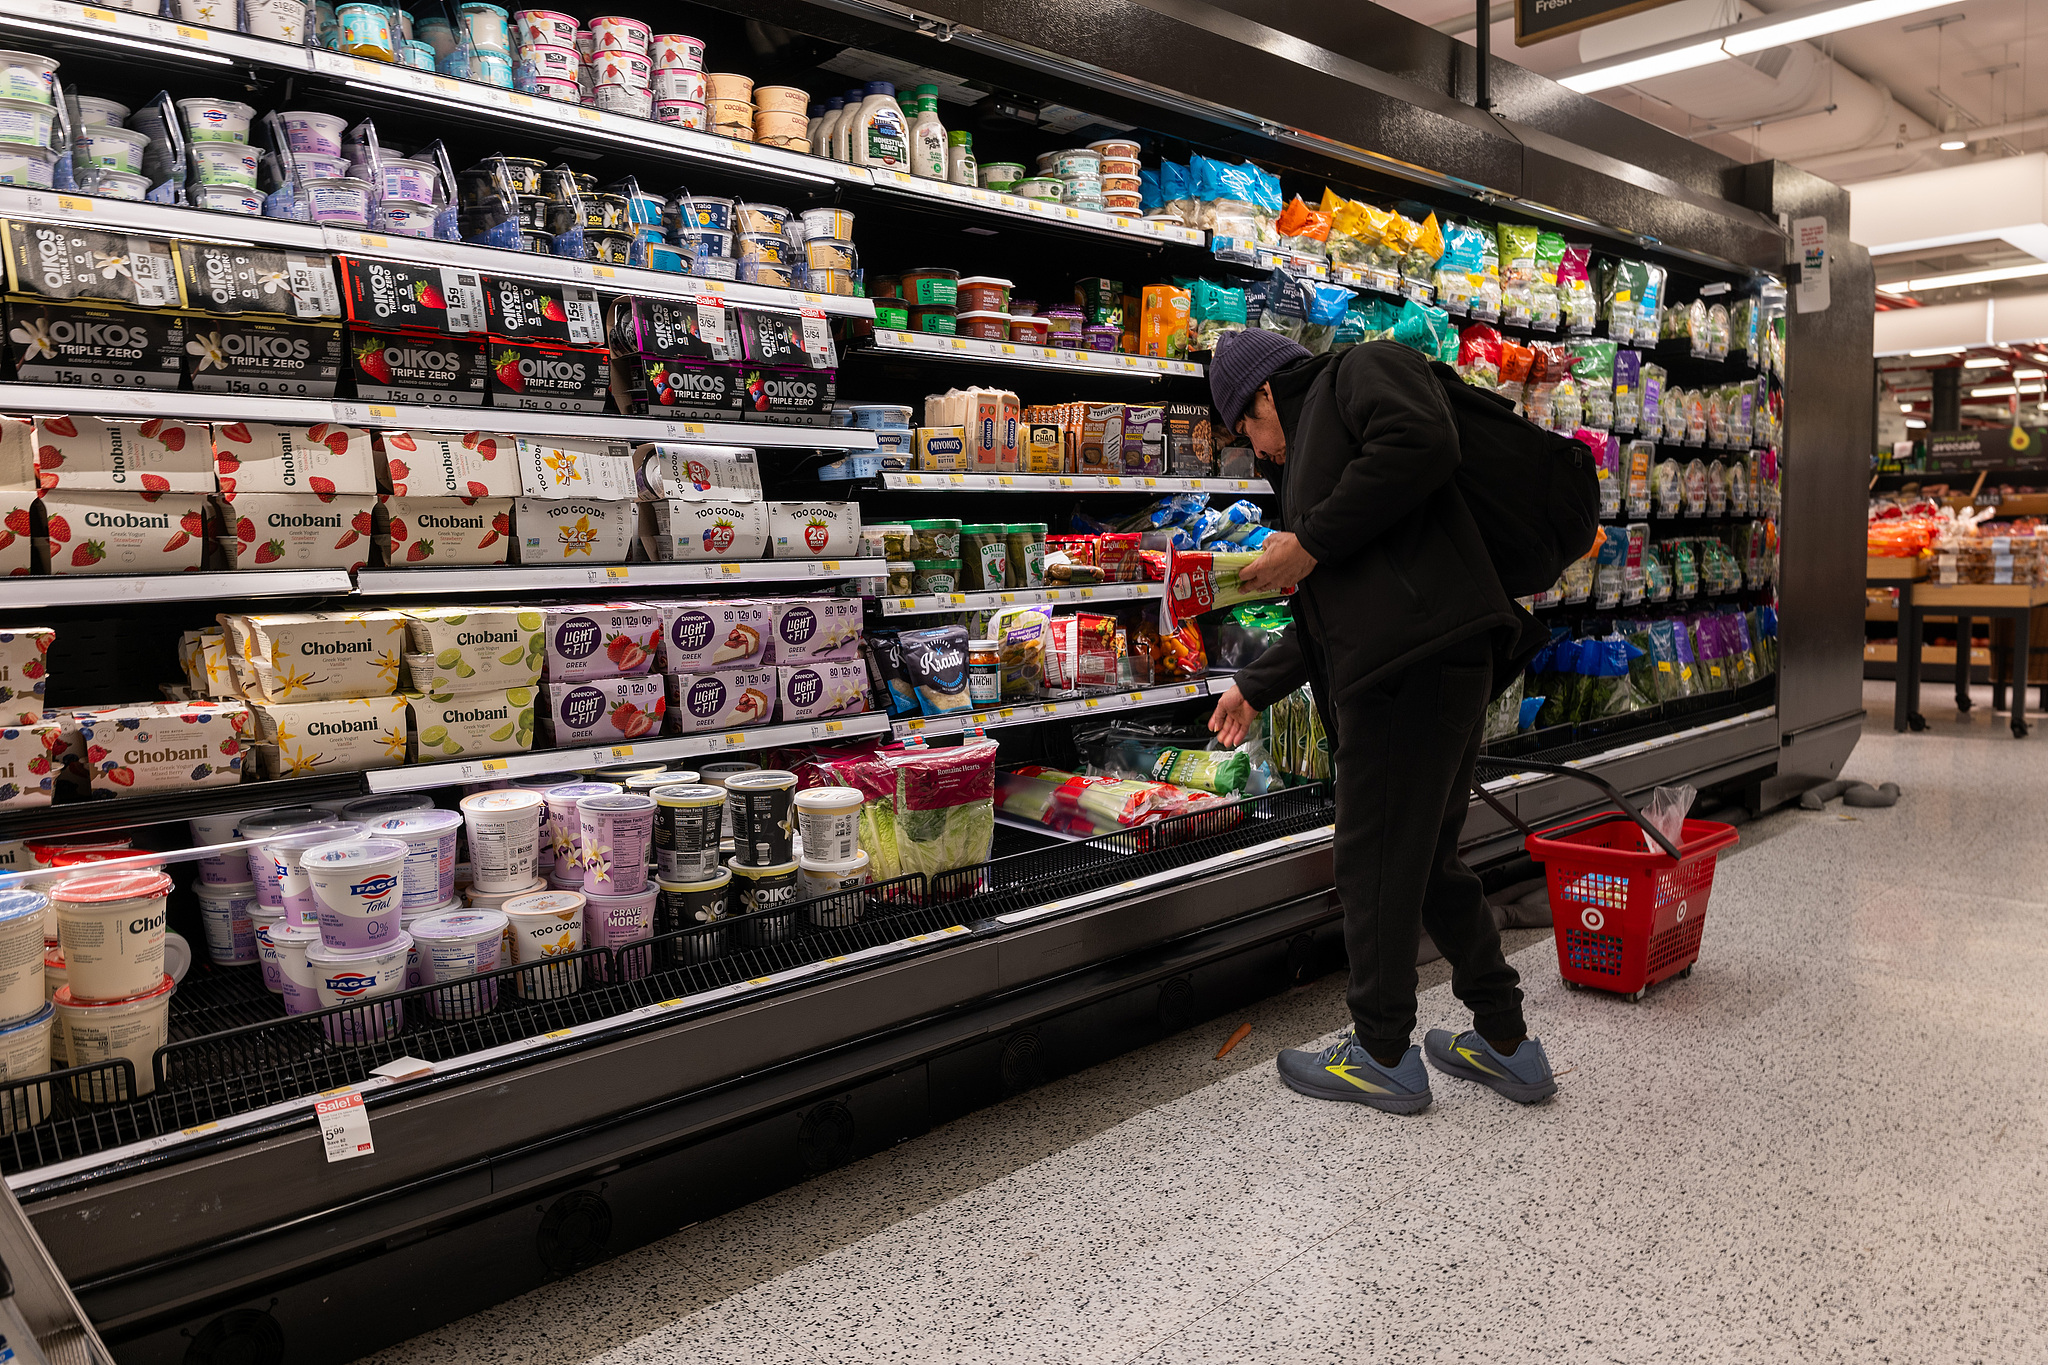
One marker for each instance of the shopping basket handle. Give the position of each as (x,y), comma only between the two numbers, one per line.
(1530,765)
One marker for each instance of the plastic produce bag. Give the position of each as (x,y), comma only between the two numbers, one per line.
(1665,811)
(1575,289)
(1075,803)
(1295,739)
(944,810)
(1428,330)
(1247,632)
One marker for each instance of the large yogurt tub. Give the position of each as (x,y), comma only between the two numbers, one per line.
(117,149)
(357,888)
(21,954)
(287,854)
(27,76)
(96,1031)
(361,977)
(454,947)
(27,168)
(307,131)
(215,120)
(25,1051)
(224,163)
(111,925)
(230,928)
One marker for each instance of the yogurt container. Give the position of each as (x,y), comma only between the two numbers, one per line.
(695,905)
(287,854)
(627,67)
(263,825)
(26,123)
(28,76)
(564,91)
(759,808)
(828,819)
(280,19)
(307,130)
(402,219)
(229,199)
(827,225)
(342,200)
(677,83)
(356,886)
(417,55)
(428,876)
(288,944)
(617,832)
(222,121)
(504,838)
(95,112)
(760,901)
(132,1027)
(822,878)
(28,168)
(617,923)
(620,34)
(364,977)
(224,163)
(547,925)
(55,978)
(493,68)
(454,947)
(230,928)
(123,185)
(495,900)
(263,919)
(21,954)
(677,51)
(366,810)
(696,213)
(623,99)
(545,28)
(565,826)
(111,925)
(688,819)
(25,1051)
(413,181)
(488,27)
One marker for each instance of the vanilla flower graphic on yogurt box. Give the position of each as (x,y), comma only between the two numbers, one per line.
(207,348)
(32,333)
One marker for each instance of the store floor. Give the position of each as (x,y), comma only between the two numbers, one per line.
(1827,1145)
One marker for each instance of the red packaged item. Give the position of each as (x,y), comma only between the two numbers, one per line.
(1154,564)
(1080,652)
(1479,349)
(1117,553)
(1515,361)
(1079,549)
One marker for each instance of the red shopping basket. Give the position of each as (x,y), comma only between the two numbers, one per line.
(1625,916)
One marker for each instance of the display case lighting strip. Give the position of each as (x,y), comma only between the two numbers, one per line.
(155,49)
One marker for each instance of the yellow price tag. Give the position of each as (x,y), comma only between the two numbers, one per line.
(694,428)
(383,414)
(1066,483)
(193,35)
(1090,703)
(1009,597)
(603,272)
(829,565)
(735,739)
(1006,712)
(1113,482)
(833,727)
(101,16)
(1086,592)
(618,571)
(1005,481)
(759,980)
(913,480)
(1190,690)
(1137,698)
(1008,349)
(1129,361)
(907,603)
(495,765)
(959,343)
(1244,483)
(621,751)
(73,205)
(913,724)
(445,86)
(1074,215)
(958,599)
(729,570)
(558,1034)
(202,1128)
(1149,483)
(365,68)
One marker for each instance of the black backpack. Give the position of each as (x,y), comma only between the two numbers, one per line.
(1534,494)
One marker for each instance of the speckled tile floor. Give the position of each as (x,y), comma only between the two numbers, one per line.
(1829,1144)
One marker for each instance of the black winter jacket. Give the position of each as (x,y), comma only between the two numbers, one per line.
(1401,570)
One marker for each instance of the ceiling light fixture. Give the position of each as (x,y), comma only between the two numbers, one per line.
(1956,145)
(1913,424)
(1983,362)
(1736,40)
(1938,350)
(1963,277)
(1995,391)
(1646,68)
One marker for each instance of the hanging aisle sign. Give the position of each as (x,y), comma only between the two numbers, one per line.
(1536,20)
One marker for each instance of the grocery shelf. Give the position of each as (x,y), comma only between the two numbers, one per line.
(988,601)
(195,224)
(415,777)
(1035,357)
(217,407)
(1267,258)
(203,47)
(72,590)
(544,577)
(1031,713)
(1080,483)
(1038,210)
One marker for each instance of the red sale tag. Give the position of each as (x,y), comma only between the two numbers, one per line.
(344,1126)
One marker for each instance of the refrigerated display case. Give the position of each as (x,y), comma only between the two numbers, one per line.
(682,1078)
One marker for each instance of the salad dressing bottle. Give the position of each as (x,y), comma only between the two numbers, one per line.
(927,136)
(880,134)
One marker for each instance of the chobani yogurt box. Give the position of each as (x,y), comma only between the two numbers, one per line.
(720,699)
(166,746)
(17,494)
(24,673)
(295,497)
(302,739)
(204,656)
(470,725)
(120,533)
(474,649)
(817,690)
(316,656)
(727,633)
(602,710)
(446,498)
(29,758)
(601,640)
(808,629)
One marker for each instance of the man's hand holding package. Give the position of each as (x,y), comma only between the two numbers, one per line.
(1281,565)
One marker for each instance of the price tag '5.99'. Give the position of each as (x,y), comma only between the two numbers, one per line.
(344,1127)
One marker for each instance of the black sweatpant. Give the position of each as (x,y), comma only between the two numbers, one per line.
(1403,753)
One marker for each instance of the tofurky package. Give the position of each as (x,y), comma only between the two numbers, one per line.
(99,346)
(443,498)
(1102,439)
(808,629)
(602,710)
(813,530)
(172,746)
(316,656)
(303,739)
(474,649)
(30,755)
(295,497)
(817,690)
(719,699)
(600,640)
(24,673)
(577,502)
(17,495)
(122,497)
(475,724)
(1144,439)
(699,636)
(989,420)
(394,367)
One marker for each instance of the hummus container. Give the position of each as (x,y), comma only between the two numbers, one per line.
(25,123)
(403,219)
(620,34)
(363,977)
(225,121)
(1122,147)
(626,67)
(682,113)
(111,926)
(1076,161)
(623,99)
(134,1027)
(95,112)
(986,326)
(677,83)
(28,76)
(726,85)
(936,319)
(307,131)
(26,1049)
(454,947)
(832,224)
(226,914)
(677,51)
(1041,187)
(25,167)
(1000,175)
(21,954)
(224,163)
(545,28)
(1030,329)
(121,185)
(984,294)
(1118,184)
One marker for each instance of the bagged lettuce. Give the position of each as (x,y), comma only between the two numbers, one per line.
(943,812)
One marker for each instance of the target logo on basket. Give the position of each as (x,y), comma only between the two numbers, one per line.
(1593,919)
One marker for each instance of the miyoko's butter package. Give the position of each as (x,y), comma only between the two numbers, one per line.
(316,656)
(303,739)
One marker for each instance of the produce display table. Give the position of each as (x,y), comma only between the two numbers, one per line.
(1903,574)
(1964,601)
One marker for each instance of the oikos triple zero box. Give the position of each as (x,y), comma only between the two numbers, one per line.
(576,502)
(295,497)
(121,497)
(445,498)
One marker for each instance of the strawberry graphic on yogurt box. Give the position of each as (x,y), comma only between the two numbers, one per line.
(600,640)
(295,497)
(602,710)
(445,498)
(165,746)
(121,497)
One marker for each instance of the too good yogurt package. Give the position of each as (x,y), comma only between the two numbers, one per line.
(602,710)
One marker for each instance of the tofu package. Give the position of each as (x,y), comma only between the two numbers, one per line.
(305,739)
(474,649)
(600,640)
(30,755)
(316,656)
(815,691)
(24,673)
(812,629)
(576,502)
(813,530)
(719,699)
(121,497)
(470,724)
(295,497)
(444,498)
(164,746)
(602,710)
(725,633)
